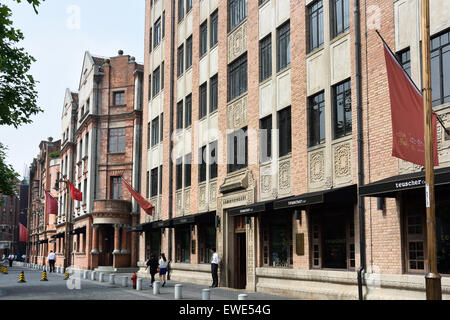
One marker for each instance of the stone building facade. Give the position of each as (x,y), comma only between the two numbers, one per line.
(286,219)
(9,224)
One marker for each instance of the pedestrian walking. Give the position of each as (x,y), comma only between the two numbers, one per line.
(51,260)
(153,264)
(11,259)
(214,267)
(163,268)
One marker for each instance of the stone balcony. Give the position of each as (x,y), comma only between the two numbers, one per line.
(110,211)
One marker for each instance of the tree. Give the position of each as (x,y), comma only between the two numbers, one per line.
(17,87)
(8,176)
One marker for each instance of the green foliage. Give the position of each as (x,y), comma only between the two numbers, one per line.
(54,154)
(17,87)
(7,175)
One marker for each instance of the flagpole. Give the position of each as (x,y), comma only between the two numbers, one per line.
(432,278)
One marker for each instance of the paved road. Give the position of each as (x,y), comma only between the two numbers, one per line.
(59,289)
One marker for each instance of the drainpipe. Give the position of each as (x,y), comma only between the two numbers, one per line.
(361,209)
(172,66)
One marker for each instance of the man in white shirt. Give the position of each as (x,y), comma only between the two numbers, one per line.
(51,260)
(11,259)
(214,266)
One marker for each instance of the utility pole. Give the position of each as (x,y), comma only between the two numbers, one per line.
(432,278)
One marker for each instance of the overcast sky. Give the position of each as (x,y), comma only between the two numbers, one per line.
(58,37)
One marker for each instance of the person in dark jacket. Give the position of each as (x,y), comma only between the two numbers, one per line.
(153,264)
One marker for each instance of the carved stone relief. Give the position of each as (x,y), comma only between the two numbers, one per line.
(284,177)
(342,161)
(237,42)
(213,195)
(317,167)
(237,114)
(187,201)
(179,203)
(202,197)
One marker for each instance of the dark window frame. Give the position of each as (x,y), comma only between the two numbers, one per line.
(237,77)
(265,58)
(341,92)
(213,93)
(315,11)
(283,46)
(203,100)
(284,122)
(316,139)
(342,14)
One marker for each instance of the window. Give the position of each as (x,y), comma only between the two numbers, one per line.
(180,10)
(265,126)
(188,5)
(149,87)
(265,58)
(315,25)
(277,244)
(237,150)
(116,188)
(116,140)
(340,12)
(157,30)
(179,173)
(154,182)
(188,52)
(119,98)
(213,91)
(180,115)
(150,40)
(155,131)
(415,240)
(160,178)
(342,109)
(156,81)
(284,129)
(162,75)
(213,160)
(187,170)
(405,60)
(440,68)
(86,145)
(333,240)
(262,1)
(188,111)
(237,12)
(183,244)
(237,75)
(316,117)
(147,185)
(283,46)
(163,24)
(214,23)
(161,127)
(203,38)
(203,101)
(148,135)
(180,60)
(206,242)
(84,195)
(202,164)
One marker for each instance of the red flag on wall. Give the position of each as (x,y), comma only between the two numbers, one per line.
(75,193)
(51,204)
(407,114)
(147,206)
(23,233)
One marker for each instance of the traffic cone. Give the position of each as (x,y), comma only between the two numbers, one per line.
(44,276)
(66,277)
(22,277)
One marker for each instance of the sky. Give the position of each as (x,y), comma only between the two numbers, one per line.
(57,38)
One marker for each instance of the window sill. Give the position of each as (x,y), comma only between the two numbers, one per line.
(237,26)
(339,36)
(203,55)
(316,147)
(242,95)
(156,47)
(118,106)
(283,70)
(314,51)
(212,47)
(116,153)
(342,139)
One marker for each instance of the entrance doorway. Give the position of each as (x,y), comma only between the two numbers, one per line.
(106,257)
(153,243)
(240,261)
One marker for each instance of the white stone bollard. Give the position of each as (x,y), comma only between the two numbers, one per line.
(124,281)
(93,275)
(206,294)
(85,274)
(101,277)
(243,296)
(156,286)
(178,291)
(112,278)
(139,284)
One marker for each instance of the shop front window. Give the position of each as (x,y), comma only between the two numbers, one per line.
(207,241)
(333,241)
(183,244)
(277,241)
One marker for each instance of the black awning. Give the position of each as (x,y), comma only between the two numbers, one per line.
(190,219)
(251,209)
(389,187)
(148,226)
(43,241)
(330,196)
(58,235)
(79,230)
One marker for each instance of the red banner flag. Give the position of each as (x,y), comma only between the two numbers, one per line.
(147,206)
(75,193)
(407,114)
(23,233)
(51,204)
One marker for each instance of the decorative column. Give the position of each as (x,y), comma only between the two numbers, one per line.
(125,249)
(116,239)
(95,239)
